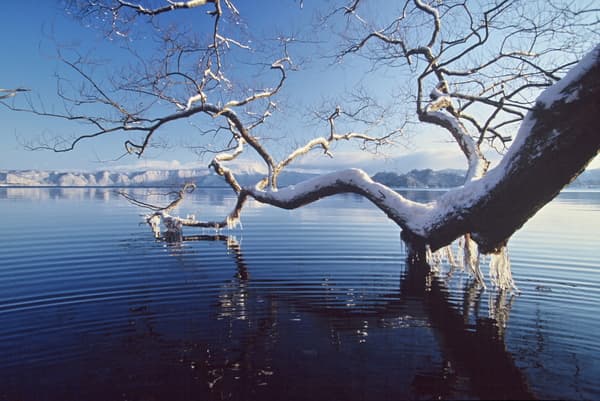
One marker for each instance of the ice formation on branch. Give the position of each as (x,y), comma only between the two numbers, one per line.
(500,271)
(471,259)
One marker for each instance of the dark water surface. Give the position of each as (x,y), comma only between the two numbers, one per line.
(312,304)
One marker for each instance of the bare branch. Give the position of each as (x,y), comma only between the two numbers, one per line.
(187,188)
(6,93)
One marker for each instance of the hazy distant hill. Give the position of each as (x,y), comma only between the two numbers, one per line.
(422,179)
(454,178)
(588,179)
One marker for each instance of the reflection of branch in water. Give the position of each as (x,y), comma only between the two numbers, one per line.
(234,293)
(473,347)
(248,364)
(241,355)
(231,243)
(499,309)
(471,301)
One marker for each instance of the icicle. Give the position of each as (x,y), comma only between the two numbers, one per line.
(437,258)
(428,256)
(471,260)
(499,310)
(459,257)
(433,259)
(500,272)
(449,255)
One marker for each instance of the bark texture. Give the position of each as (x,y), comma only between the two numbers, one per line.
(563,138)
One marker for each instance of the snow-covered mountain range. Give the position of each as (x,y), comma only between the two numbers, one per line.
(204,177)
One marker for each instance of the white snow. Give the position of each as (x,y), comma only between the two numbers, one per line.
(400,209)
(557,91)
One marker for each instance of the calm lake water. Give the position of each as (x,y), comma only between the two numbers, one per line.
(311,304)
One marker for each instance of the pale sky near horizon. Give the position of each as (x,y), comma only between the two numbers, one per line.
(31,28)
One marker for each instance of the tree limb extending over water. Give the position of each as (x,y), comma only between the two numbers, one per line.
(476,71)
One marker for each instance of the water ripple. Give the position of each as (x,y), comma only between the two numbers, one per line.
(323,291)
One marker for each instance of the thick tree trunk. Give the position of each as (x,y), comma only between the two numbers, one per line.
(560,140)
(476,350)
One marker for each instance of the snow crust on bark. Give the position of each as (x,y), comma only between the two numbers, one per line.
(559,91)
(401,210)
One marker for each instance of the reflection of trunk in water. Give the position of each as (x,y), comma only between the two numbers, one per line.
(472,345)
(478,348)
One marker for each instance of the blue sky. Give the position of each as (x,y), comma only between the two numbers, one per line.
(33,30)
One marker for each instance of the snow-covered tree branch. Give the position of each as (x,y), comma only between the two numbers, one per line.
(478,71)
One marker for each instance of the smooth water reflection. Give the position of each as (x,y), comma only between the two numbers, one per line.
(309,304)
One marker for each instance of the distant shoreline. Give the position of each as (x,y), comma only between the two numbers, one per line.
(415,179)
